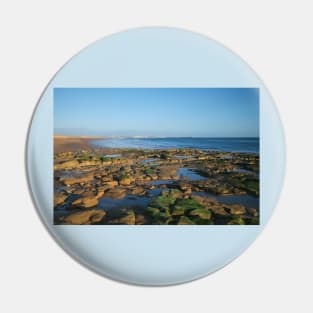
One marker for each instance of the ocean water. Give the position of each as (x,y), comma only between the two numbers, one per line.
(250,145)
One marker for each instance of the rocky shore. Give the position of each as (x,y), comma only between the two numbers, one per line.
(158,187)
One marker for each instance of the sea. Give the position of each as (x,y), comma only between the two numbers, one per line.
(249,145)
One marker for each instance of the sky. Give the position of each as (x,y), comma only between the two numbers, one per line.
(157,112)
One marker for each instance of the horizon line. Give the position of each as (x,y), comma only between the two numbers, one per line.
(143,137)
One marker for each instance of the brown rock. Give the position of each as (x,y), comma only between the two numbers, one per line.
(128,219)
(86,202)
(187,192)
(218,210)
(253,212)
(103,187)
(184,186)
(235,209)
(126,181)
(140,219)
(153,176)
(203,199)
(137,191)
(111,183)
(184,220)
(59,198)
(151,187)
(117,193)
(175,193)
(142,180)
(107,178)
(85,217)
(78,191)
(77,179)
(166,172)
(100,193)
(66,165)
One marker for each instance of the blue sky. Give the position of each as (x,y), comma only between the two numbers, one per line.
(171,112)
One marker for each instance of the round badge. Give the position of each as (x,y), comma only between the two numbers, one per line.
(155,156)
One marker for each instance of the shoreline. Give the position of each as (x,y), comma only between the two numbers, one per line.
(63,143)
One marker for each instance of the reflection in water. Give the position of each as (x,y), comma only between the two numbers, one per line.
(189,174)
(244,171)
(151,160)
(129,201)
(112,155)
(160,182)
(246,200)
(182,157)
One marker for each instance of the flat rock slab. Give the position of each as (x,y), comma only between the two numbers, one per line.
(85,217)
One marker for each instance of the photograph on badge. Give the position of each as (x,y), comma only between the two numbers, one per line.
(156,156)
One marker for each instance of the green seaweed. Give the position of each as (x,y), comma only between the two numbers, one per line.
(150,171)
(236,221)
(184,220)
(187,204)
(154,212)
(105,159)
(202,213)
(163,201)
(252,221)
(165,155)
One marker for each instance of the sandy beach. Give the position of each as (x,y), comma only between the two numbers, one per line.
(72,143)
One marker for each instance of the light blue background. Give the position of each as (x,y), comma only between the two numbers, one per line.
(154,255)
